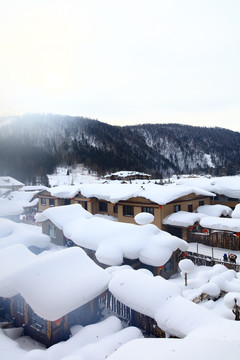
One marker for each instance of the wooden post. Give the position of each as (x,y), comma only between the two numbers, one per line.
(185,276)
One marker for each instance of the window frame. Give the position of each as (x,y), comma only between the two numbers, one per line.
(126,211)
(43,201)
(177,208)
(103,206)
(52,231)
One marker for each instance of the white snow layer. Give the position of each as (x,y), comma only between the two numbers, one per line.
(162,301)
(215,210)
(14,233)
(116,192)
(92,342)
(24,198)
(236,212)
(179,349)
(182,218)
(60,282)
(217,223)
(111,240)
(225,185)
(10,207)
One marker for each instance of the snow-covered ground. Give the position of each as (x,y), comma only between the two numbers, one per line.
(77,175)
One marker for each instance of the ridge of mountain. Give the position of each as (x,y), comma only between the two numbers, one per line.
(33,145)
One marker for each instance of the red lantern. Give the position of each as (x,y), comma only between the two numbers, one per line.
(237,234)
(90,200)
(190,228)
(204,231)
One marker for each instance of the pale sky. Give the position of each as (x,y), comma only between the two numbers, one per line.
(123,62)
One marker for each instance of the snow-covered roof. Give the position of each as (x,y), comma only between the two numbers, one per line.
(215,210)
(15,233)
(24,198)
(182,218)
(225,185)
(53,289)
(162,301)
(10,207)
(9,181)
(112,240)
(159,194)
(64,191)
(63,216)
(124,174)
(236,212)
(217,223)
(180,349)
(117,192)
(33,188)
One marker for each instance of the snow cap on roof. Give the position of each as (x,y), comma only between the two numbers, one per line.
(64,191)
(182,219)
(53,290)
(159,194)
(25,199)
(114,241)
(10,207)
(15,233)
(217,223)
(215,210)
(9,181)
(64,215)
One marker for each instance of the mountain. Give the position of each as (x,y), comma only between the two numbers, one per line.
(31,146)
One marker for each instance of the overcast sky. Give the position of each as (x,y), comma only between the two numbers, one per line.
(122,61)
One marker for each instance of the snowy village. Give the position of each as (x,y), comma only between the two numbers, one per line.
(121,267)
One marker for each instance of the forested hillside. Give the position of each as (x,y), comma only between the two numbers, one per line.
(31,146)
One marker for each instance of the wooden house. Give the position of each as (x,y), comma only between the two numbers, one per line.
(124,202)
(222,232)
(7,182)
(49,303)
(128,176)
(51,332)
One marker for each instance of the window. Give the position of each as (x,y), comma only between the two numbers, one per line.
(201,202)
(190,208)
(177,208)
(51,202)
(103,206)
(149,210)
(20,305)
(43,201)
(52,231)
(67,201)
(127,210)
(115,208)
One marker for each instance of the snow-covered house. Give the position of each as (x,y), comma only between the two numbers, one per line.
(47,297)
(7,182)
(207,226)
(158,307)
(226,188)
(128,176)
(29,202)
(111,243)
(125,201)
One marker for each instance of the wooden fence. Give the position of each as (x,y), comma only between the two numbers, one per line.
(200,259)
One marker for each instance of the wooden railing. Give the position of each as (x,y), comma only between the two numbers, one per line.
(200,259)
